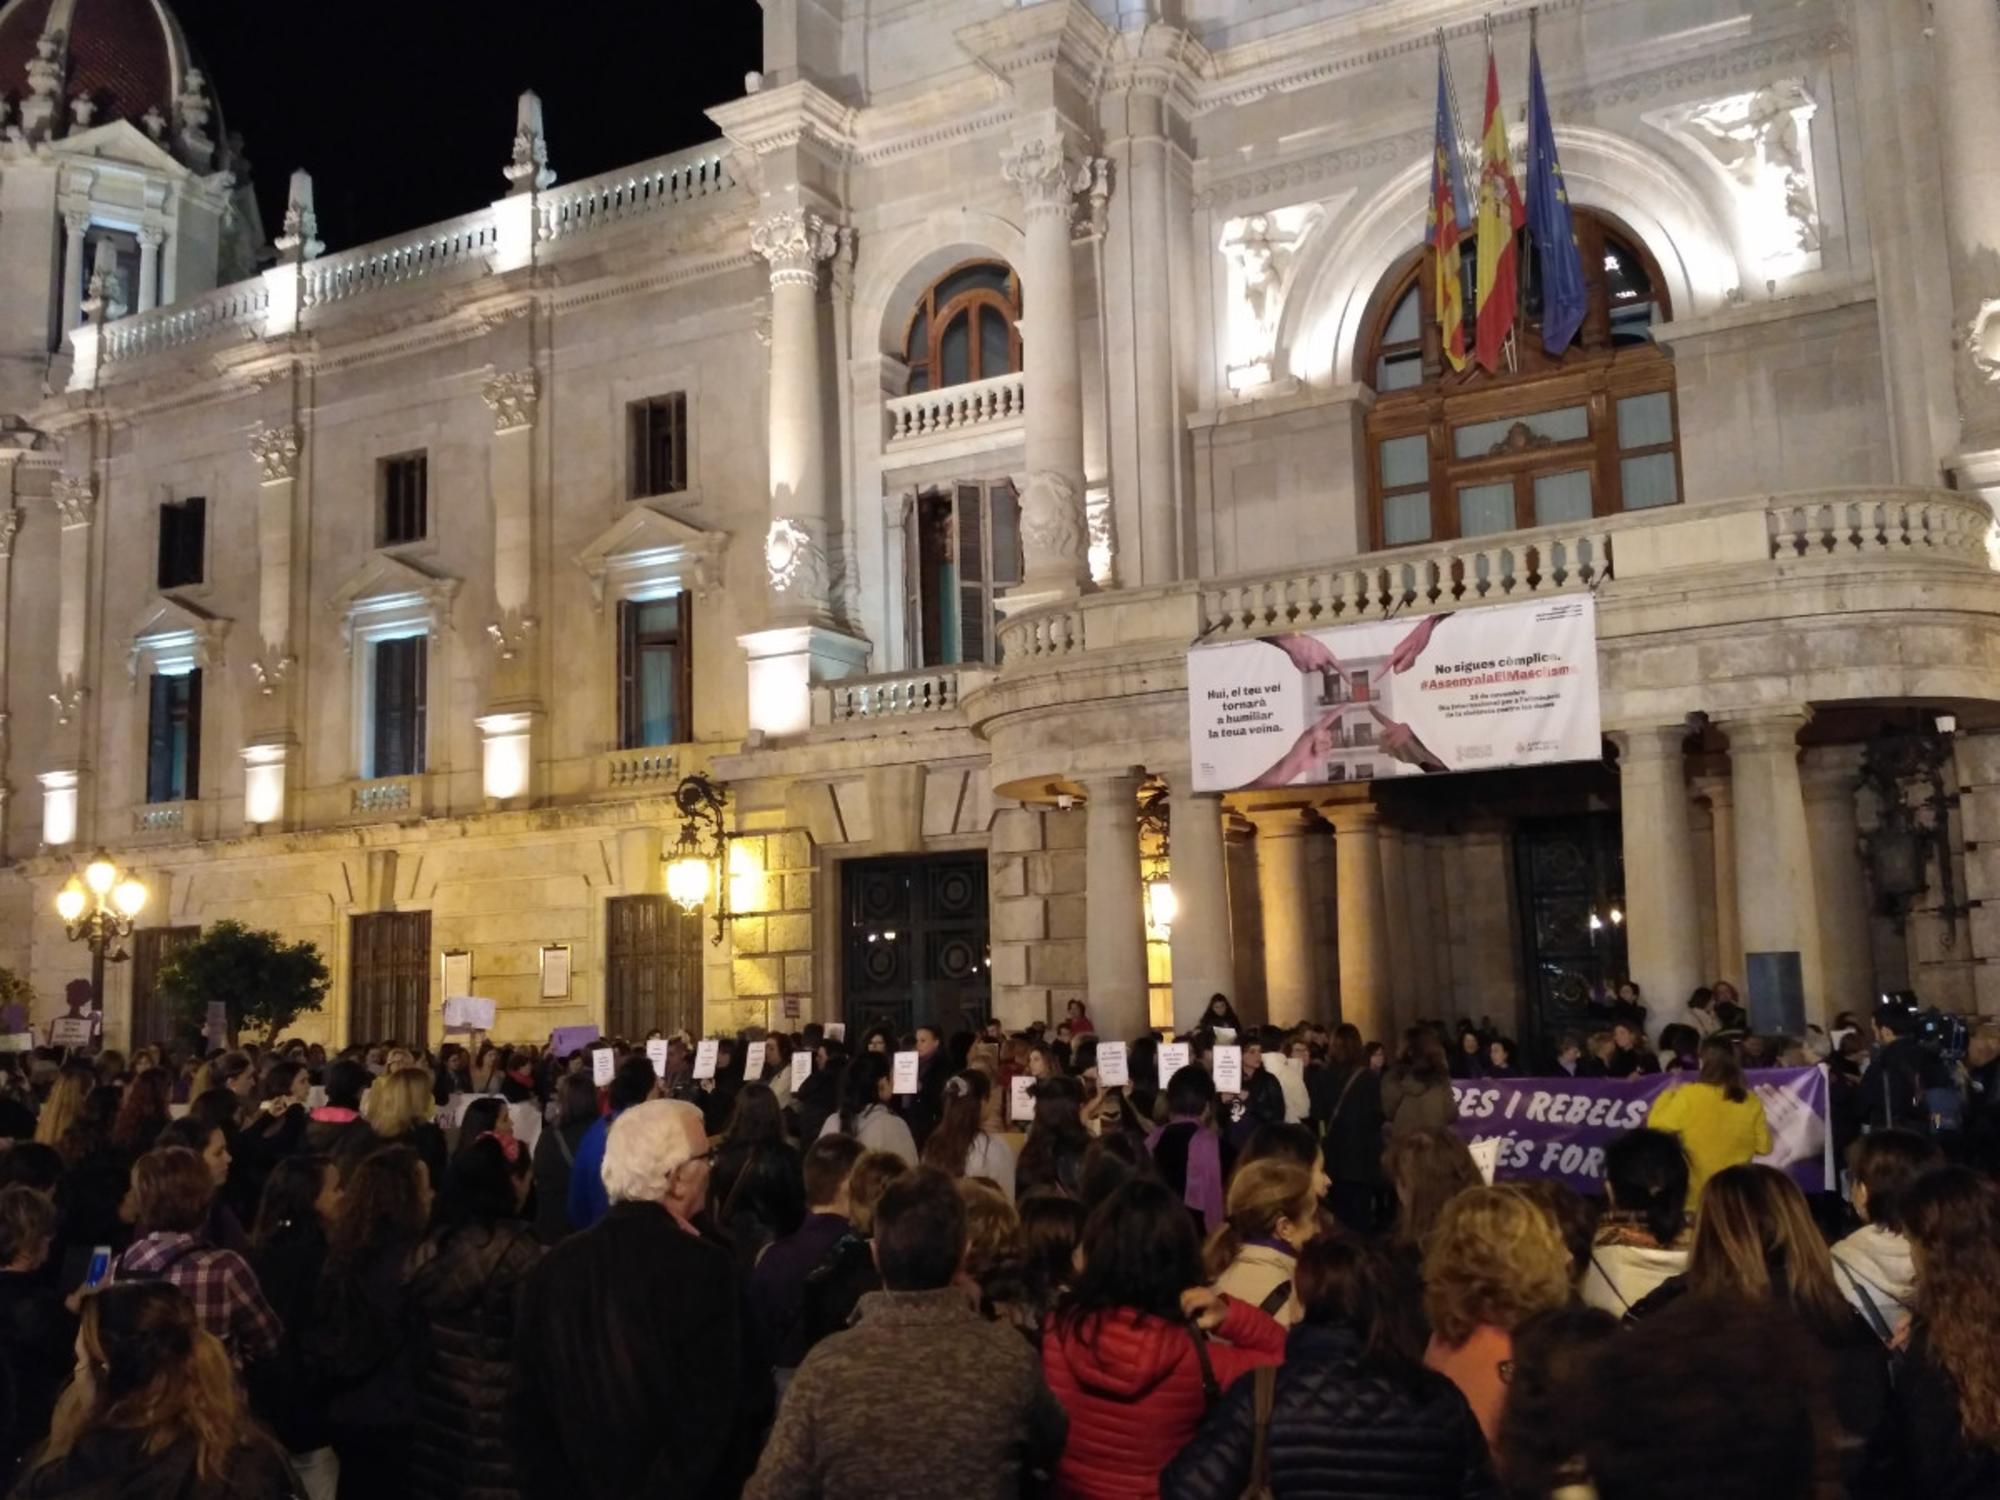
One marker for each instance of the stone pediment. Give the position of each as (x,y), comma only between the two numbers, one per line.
(647,547)
(121,141)
(388,585)
(174,633)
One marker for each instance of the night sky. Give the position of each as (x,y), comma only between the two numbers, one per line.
(403,110)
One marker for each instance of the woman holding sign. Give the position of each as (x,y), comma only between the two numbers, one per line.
(865,1113)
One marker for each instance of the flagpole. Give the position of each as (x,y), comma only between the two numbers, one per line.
(1457,125)
(1509,347)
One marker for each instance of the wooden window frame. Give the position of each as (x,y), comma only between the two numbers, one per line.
(160,785)
(378,731)
(1593,373)
(631,644)
(656,438)
(405,484)
(926,364)
(946,501)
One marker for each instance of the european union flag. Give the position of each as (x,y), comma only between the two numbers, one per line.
(1564,295)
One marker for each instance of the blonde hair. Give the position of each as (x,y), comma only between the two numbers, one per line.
(1260,1194)
(1754,1237)
(1495,1260)
(63,1108)
(1427,1168)
(872,1173)
(992,1227)
(396,1102)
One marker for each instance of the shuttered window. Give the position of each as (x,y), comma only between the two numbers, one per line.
(183,527)
(655,672)
(658,434)
(964,551)
(396,738)
(173,737)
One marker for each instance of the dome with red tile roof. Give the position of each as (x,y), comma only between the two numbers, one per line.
(129,58)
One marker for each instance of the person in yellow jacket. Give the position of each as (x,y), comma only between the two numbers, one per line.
(1719,1120)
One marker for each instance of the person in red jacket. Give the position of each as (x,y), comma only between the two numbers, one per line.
(1128,1354)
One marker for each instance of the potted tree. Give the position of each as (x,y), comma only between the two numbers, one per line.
(264,982)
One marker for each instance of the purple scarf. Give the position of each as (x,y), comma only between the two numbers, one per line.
(1204,1171)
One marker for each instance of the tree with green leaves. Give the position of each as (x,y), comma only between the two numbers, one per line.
(15,990)
(265,982)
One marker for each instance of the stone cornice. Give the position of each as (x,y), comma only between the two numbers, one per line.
(1064,37)
(1160,60)
(791,114)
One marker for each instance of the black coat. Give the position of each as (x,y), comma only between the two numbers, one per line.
(1939,1463)
(37,1353)
(113,1464)
(630,1369)
(1347,1102)
(1892,1090)
(552,1164)
(465,1293)
(285,1390)
(1340,1425)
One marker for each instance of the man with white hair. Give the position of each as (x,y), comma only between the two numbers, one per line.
(631,1372)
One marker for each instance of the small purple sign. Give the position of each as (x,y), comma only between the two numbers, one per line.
(567,1039)
(1559,1127)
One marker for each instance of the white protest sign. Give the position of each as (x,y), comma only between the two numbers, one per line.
(904,1074)
(1173,1057)
(17,1041)
(656,1054)
(753,1059)
(73,1031)
(704,1057)
(1021,1100)
(468,1013)
(1228,1069)
(1486,1157)
(836,1031)
(802,1066)
(1111,1068)
(601,1066)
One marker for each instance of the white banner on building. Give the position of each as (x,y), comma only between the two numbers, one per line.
(1489,686)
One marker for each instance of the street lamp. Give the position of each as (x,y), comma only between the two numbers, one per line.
(98,907)
(703,845)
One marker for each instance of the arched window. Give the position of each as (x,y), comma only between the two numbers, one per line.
(964,328)
(1558,439)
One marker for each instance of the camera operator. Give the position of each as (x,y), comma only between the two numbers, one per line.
(1899,1087)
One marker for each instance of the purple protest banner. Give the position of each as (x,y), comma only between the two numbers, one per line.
(567,1039)
(1559,1127)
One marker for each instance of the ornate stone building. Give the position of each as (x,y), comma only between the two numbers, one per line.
(882,457)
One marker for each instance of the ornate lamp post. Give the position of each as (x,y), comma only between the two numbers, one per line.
(703,845)
(97,906)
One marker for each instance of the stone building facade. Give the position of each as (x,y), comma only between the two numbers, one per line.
(882,457)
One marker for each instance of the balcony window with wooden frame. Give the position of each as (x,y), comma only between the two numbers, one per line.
(1557,440)
(655,672)
(965,327)
(963,549)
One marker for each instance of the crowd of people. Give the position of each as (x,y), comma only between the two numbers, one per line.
(761,1267)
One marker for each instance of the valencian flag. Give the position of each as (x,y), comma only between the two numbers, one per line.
(1501,216)
(1450,218)
(1560,263)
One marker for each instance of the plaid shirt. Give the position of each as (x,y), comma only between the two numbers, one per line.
(220,1284)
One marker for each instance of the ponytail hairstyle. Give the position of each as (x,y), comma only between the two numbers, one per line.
(861,1088)
(1647,1173)
(965,1096)
(1723,1068)
(1260,1195)
(152,1370)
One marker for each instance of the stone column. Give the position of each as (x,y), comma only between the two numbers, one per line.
(1204,957)
(10,526)
(1662,925)
(1292,989)
(1718,793)
(1965,40)
(75,222)
(268,716)
(76,504)
(1830,778)
(1049,170)
(1774,864)
(513,396)
(1366,980)
(151,237)
(1115,940)
(1246,917)
(1139,311)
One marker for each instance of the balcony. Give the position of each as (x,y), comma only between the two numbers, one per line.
(387,798)
(923,697)
(1724,607)
(652,768)
(983,411)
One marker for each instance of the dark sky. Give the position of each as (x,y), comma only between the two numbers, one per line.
(403,110)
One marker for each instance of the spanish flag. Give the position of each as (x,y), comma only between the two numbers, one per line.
(1501,216)
(1448,221)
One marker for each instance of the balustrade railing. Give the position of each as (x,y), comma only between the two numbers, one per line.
(236,310)
(887,695)
(625,769)
(430,251)
(390,794)
(1863,522)
(990,403)
(615,197)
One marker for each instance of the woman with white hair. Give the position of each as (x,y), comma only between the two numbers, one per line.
(632,1370)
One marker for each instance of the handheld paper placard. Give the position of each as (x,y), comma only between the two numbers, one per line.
(836,1031)
(1486,1157)
(1021,1099)
(704,1058)
(468,1013)
(753,1059)
(1173,1057)
(904,1074)
(1111,1069)
(1228,1068)
(802,1066)
(656,1054)
(601,1066)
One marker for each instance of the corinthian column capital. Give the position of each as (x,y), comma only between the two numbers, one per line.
(795,242)
(1049,171)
